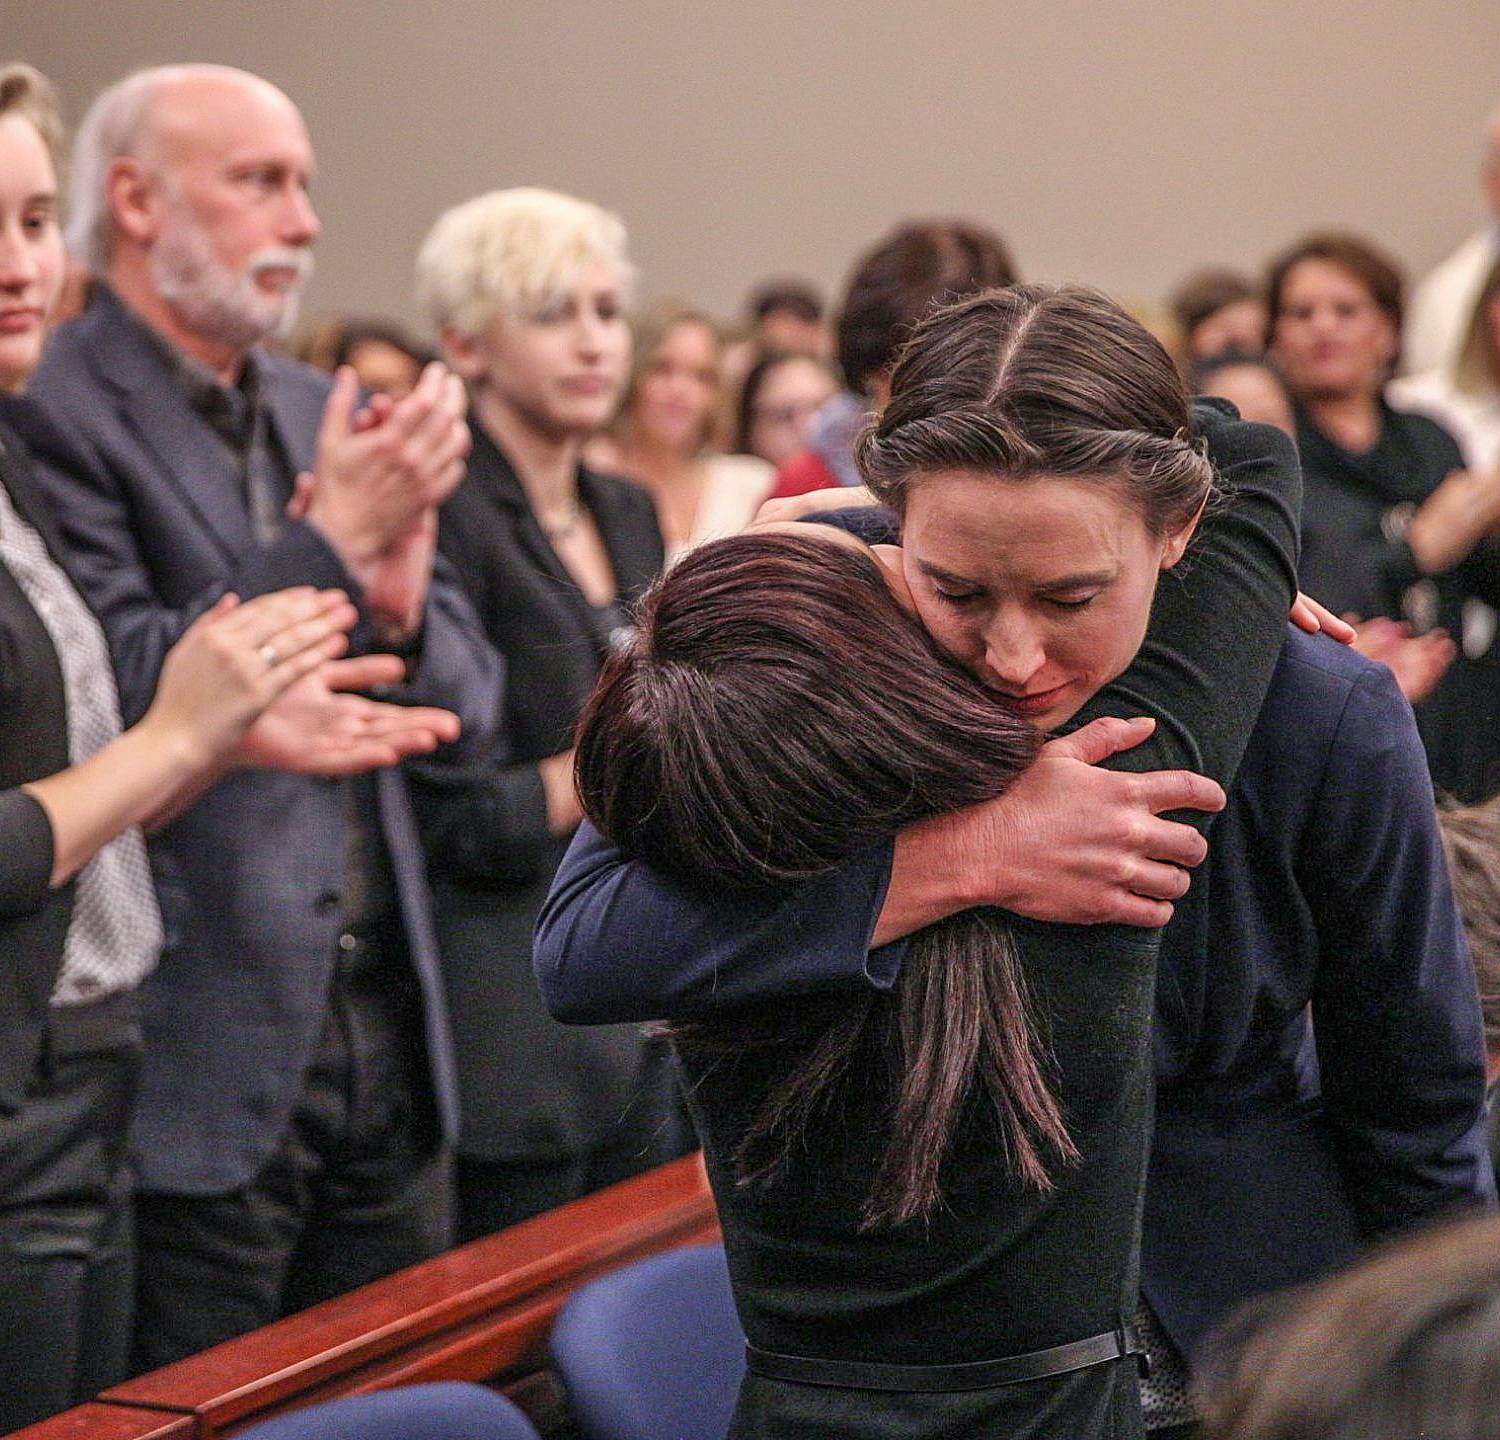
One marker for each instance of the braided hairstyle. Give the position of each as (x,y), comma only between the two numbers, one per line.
(1038,380)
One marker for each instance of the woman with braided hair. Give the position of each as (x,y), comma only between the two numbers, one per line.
(929,1195)
(929,1160)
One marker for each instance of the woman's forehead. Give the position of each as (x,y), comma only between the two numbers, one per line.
(969,514)
(1038,531)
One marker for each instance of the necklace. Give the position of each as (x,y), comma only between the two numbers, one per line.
(562,529)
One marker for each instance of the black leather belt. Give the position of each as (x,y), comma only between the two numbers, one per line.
(934,1379)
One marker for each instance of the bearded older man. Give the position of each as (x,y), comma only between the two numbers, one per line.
(297,1093)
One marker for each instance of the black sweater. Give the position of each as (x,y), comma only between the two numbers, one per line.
(1354,558)
(999,1270)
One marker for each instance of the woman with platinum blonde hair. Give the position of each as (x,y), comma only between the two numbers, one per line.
(528,290)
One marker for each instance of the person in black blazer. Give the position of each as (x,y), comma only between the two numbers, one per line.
(299,976)
(79,925)
(552,556)
(1392,522)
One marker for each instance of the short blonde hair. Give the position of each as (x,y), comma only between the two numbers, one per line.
(28,93)
(512,252)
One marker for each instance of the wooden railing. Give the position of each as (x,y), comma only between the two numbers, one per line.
(481,1312)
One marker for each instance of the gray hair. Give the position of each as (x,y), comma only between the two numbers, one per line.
(113,128)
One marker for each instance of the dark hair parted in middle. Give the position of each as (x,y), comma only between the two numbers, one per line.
(776,713)
(1039,380)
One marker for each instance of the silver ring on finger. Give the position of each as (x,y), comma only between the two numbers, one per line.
(269,654)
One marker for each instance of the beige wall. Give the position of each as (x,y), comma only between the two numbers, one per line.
(1118,143)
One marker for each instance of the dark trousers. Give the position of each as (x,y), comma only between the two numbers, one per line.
(65,1234)
(492,1194)
(495,1192)
(358,1187)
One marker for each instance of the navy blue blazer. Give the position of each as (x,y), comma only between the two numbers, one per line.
(1325,887)
(1319,1048)
(249,877)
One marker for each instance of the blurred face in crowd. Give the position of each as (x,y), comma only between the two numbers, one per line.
(1241,326)
(1042,588)
(790,396)
(222,203)
(678,389)
(32,261)
(786,330)
(1256,393)
(385,368)
(561,371)
(1331,340)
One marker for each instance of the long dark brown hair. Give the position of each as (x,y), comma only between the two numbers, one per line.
(776,713)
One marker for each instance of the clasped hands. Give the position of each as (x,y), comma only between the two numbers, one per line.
(381,471)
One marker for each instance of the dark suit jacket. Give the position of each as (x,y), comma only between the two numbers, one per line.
(33,744)
(1320,1053)
(530,1086)
(250,877)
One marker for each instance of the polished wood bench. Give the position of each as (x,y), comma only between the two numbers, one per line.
(481,1312)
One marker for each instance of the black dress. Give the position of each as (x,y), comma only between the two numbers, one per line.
(1354,558)
(999,1271)
(548,1112)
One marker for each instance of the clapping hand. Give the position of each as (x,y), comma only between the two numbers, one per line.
(236,659)
(1417,661)
(379,466)
(1454,519)
(319,727)
(381,472)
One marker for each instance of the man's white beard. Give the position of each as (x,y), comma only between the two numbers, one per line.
(211,300)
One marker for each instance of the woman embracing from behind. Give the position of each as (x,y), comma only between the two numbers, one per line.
(930,1192)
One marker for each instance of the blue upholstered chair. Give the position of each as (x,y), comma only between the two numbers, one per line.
(448,1411)
(653,1351)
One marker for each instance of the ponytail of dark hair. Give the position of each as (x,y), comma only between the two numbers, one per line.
(776,713)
